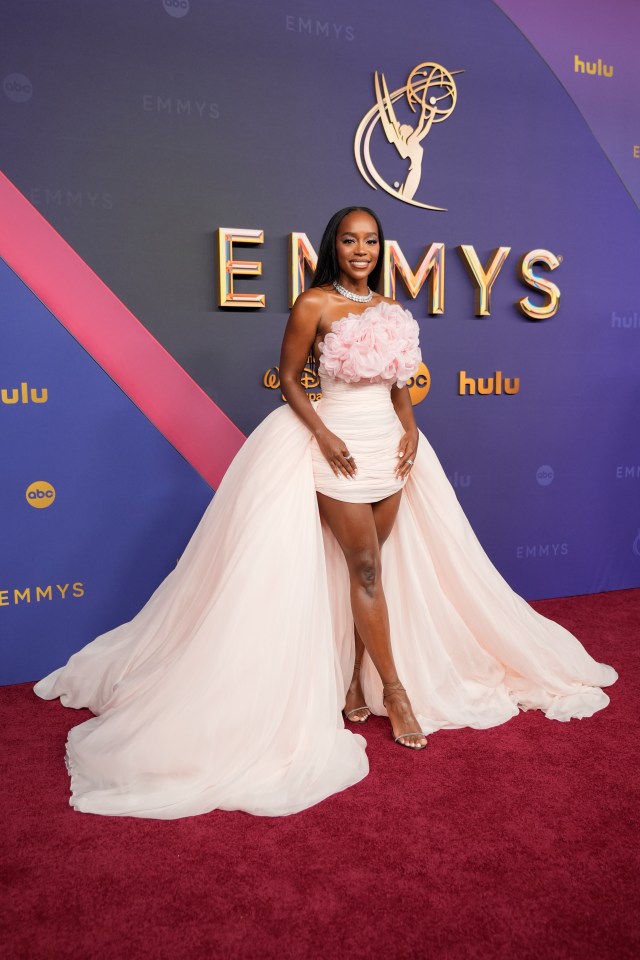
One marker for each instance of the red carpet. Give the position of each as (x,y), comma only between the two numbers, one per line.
(514,842)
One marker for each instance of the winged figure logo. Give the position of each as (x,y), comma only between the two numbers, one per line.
(431,95)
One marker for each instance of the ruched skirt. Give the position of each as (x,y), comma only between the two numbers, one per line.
(364,418)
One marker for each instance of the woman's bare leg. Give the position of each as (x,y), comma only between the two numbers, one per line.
(354,704)
(384,515)
(354,527)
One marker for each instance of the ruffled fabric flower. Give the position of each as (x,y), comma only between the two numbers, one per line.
(377,345)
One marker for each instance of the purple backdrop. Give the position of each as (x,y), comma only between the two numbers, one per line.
(140,129)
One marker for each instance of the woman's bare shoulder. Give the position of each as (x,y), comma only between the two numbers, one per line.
(314,298)
(309,308)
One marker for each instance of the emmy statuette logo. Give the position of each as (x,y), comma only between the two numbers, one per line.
(430,94)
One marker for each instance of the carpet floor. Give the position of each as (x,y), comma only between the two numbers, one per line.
(519,842)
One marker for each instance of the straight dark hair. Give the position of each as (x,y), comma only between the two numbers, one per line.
(327,269)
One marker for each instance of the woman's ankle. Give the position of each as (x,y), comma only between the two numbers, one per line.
(391,687)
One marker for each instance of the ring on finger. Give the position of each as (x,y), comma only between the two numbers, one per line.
(348,456)
(410,462)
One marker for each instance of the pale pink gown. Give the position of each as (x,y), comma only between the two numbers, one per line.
(225,691)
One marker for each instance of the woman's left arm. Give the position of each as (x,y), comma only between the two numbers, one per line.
(408,446)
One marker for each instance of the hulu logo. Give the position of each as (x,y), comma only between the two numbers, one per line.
(469,386)
(594,69)
(23,394)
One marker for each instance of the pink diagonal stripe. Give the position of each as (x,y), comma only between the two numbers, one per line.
(116,340)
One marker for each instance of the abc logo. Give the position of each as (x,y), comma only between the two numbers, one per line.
(176,8)
(17,87)
(419,385)
(40,494)
(544,475)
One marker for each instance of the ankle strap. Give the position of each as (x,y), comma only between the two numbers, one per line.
(388,689)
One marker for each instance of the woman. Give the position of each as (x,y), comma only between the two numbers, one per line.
(225,691)
(360,514)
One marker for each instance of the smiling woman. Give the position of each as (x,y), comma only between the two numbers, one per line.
(365,434)
(319,494)
(339,245)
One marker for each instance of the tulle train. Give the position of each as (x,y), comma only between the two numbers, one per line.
(225,691)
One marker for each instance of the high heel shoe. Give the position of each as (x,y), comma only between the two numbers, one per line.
(396,687)
(348,713)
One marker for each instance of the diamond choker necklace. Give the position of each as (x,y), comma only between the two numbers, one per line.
(358,297)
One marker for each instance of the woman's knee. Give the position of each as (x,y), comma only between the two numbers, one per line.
(364,569)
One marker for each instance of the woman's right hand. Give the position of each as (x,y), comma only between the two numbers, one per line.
(336,454)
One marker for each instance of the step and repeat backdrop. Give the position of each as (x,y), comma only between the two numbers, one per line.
(168,168)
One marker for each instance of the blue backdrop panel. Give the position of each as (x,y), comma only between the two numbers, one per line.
(125,502)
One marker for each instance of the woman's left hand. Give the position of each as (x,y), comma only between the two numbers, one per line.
(407,450)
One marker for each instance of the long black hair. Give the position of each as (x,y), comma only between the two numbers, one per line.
(327,269)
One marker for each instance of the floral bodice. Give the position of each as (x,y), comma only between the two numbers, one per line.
(380,344)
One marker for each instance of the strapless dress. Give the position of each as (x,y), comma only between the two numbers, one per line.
(226,690)
(362,357)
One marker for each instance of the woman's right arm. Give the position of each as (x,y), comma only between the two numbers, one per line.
(299,337)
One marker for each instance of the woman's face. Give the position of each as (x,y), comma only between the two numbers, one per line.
(357,246)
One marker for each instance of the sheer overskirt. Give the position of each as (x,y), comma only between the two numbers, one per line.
(225,691)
